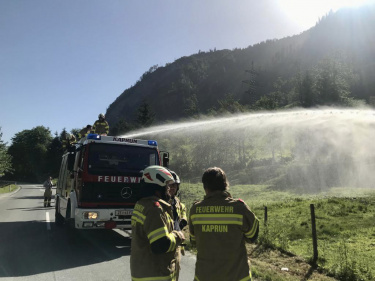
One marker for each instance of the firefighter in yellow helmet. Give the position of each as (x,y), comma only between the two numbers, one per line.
(101,126)
(179,215)
(154,240)
(220,225)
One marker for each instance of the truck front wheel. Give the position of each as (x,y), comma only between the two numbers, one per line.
(59,219)
(70,221)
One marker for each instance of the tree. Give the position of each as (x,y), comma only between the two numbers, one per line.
(230,104)
(145,115)
(63,134)
(120,128)
(75,132)
(191,105)
(333,81)
(54,154)
(29,154)
(279,94)
(5,158)
(267,103)
(306,91)
(147,73)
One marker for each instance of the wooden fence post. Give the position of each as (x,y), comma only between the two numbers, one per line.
(313,227)
(265,215)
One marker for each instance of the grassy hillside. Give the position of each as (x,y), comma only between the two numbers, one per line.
(345,221)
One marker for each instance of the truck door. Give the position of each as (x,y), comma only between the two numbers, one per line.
(62,185)
(79,172)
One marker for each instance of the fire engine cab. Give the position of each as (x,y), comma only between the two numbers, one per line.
(99,179)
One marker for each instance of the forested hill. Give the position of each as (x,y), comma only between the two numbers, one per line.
(332,63)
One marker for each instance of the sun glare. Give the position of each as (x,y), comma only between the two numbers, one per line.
(306,13)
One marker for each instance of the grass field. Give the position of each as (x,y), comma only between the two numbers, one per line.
(8,188)
(345,224)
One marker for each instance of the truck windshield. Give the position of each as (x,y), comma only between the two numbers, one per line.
(119,159)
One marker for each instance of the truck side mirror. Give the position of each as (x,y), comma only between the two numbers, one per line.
(165,159)
(71,160)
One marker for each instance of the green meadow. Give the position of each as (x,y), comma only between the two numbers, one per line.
(345,226)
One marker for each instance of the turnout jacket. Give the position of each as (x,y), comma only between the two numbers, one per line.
(47,188)
(180,221)
(100,127)
(179,212)
(154,241)
(83,133)
(220,226)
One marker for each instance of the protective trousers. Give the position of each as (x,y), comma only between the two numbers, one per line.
(47,197)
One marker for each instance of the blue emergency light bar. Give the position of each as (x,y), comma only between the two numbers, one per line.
(153,143)
(93,137)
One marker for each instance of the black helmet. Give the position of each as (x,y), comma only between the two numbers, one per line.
(176,179)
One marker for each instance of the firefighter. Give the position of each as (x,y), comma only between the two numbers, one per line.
(179,208)
(179,216)
(154,240)
(101,126)
(220,225)
(68,142)
(47,192)
(84,132)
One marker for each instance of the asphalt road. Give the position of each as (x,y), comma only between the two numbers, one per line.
(32,247)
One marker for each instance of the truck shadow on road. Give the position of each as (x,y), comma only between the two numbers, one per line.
(52,208)
(29,197)
(29,248)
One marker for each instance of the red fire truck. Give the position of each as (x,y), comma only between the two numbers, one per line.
(99,178)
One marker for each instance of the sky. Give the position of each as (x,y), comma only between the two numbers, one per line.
(62,62)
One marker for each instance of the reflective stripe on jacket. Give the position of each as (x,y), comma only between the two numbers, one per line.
(154,242)
(220,226)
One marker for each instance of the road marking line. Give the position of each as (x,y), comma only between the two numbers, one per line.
(48,221)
